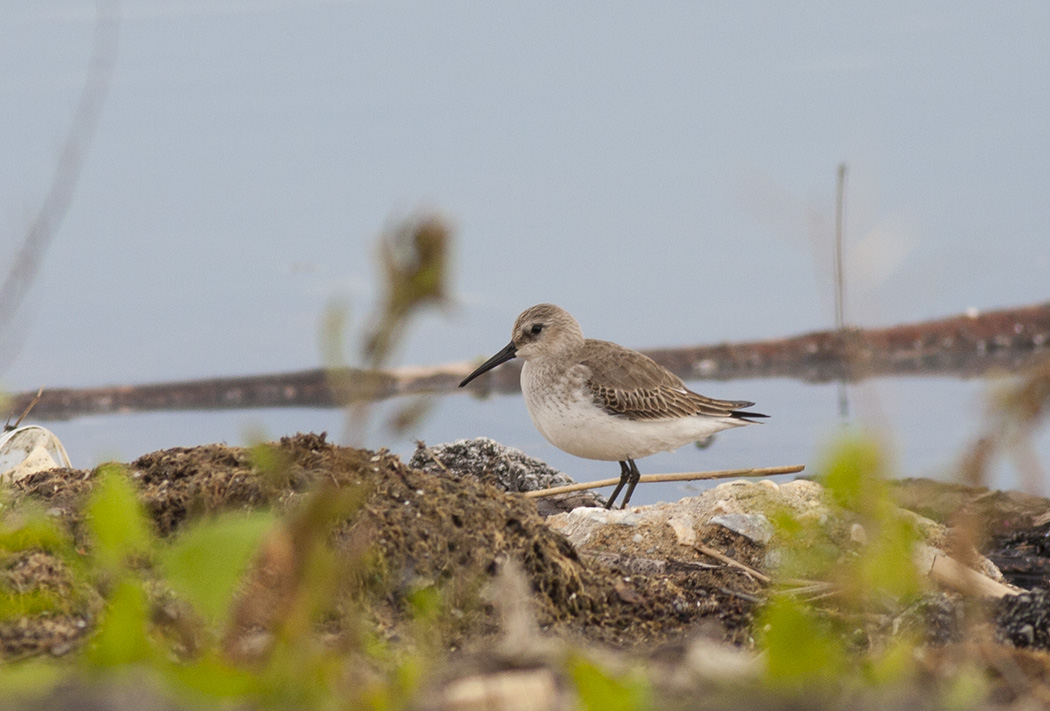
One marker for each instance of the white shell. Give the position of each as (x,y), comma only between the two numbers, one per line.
(30,449)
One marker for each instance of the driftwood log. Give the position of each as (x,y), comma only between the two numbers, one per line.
(967,345)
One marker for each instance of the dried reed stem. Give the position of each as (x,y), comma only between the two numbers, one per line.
(682,476)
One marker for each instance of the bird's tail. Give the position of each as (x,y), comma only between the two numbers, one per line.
(745,416)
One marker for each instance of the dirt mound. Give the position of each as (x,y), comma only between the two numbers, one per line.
(453,532)
(37,577)
(397,537)
(441,529)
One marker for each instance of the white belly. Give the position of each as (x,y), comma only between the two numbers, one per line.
(567,417)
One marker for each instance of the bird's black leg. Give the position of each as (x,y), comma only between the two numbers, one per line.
(625,475)
(635,475)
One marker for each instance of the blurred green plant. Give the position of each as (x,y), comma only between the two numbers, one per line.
(29,531)
(123,637)
(31,528)
(599,690)
(116,523)
(231,609)
(805,642)
(856,475)
(801,647)
(236,608)
(205,563)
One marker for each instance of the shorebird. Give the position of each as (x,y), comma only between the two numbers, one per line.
(599,400)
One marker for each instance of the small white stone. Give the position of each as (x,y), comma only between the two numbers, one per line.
(731,484)
(683,530)
(801,485)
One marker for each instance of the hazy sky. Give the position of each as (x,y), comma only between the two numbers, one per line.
(655,168)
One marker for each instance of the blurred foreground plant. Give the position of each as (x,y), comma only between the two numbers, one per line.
(808,643)
(413,257)
(230,609)
(413,260)
(1017,408)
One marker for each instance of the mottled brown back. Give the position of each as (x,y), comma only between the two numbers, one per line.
(625,382)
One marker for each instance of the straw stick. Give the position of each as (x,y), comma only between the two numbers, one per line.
(682,476)
(732,562)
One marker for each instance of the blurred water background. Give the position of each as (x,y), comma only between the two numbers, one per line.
(664,171)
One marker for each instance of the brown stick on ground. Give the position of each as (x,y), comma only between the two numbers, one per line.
(732,562)
(683,476)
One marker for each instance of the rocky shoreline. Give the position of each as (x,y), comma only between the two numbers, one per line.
(526,584)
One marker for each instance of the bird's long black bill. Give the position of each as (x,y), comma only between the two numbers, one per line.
(502,357)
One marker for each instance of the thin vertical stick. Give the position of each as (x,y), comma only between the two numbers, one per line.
(840,280)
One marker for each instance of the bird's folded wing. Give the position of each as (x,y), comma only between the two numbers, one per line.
(625,382)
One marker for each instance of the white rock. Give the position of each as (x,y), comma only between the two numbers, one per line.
(30,449)
(683,528)
(754,527)
(580,524)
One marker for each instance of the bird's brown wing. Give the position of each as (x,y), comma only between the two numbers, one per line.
(627,383)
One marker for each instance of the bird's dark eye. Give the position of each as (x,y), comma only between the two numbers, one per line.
(536,328)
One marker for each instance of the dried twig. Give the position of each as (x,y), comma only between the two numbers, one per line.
(683,476)
(809,589)
(718,555)
(25,413)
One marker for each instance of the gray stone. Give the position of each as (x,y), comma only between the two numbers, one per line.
(755,527)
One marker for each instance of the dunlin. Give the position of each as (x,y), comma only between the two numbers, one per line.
(599,400)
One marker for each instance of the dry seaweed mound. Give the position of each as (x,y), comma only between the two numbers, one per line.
(420,529)
(1024,620)
(35,574)
(457,529)
(440,529)
(187,482)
